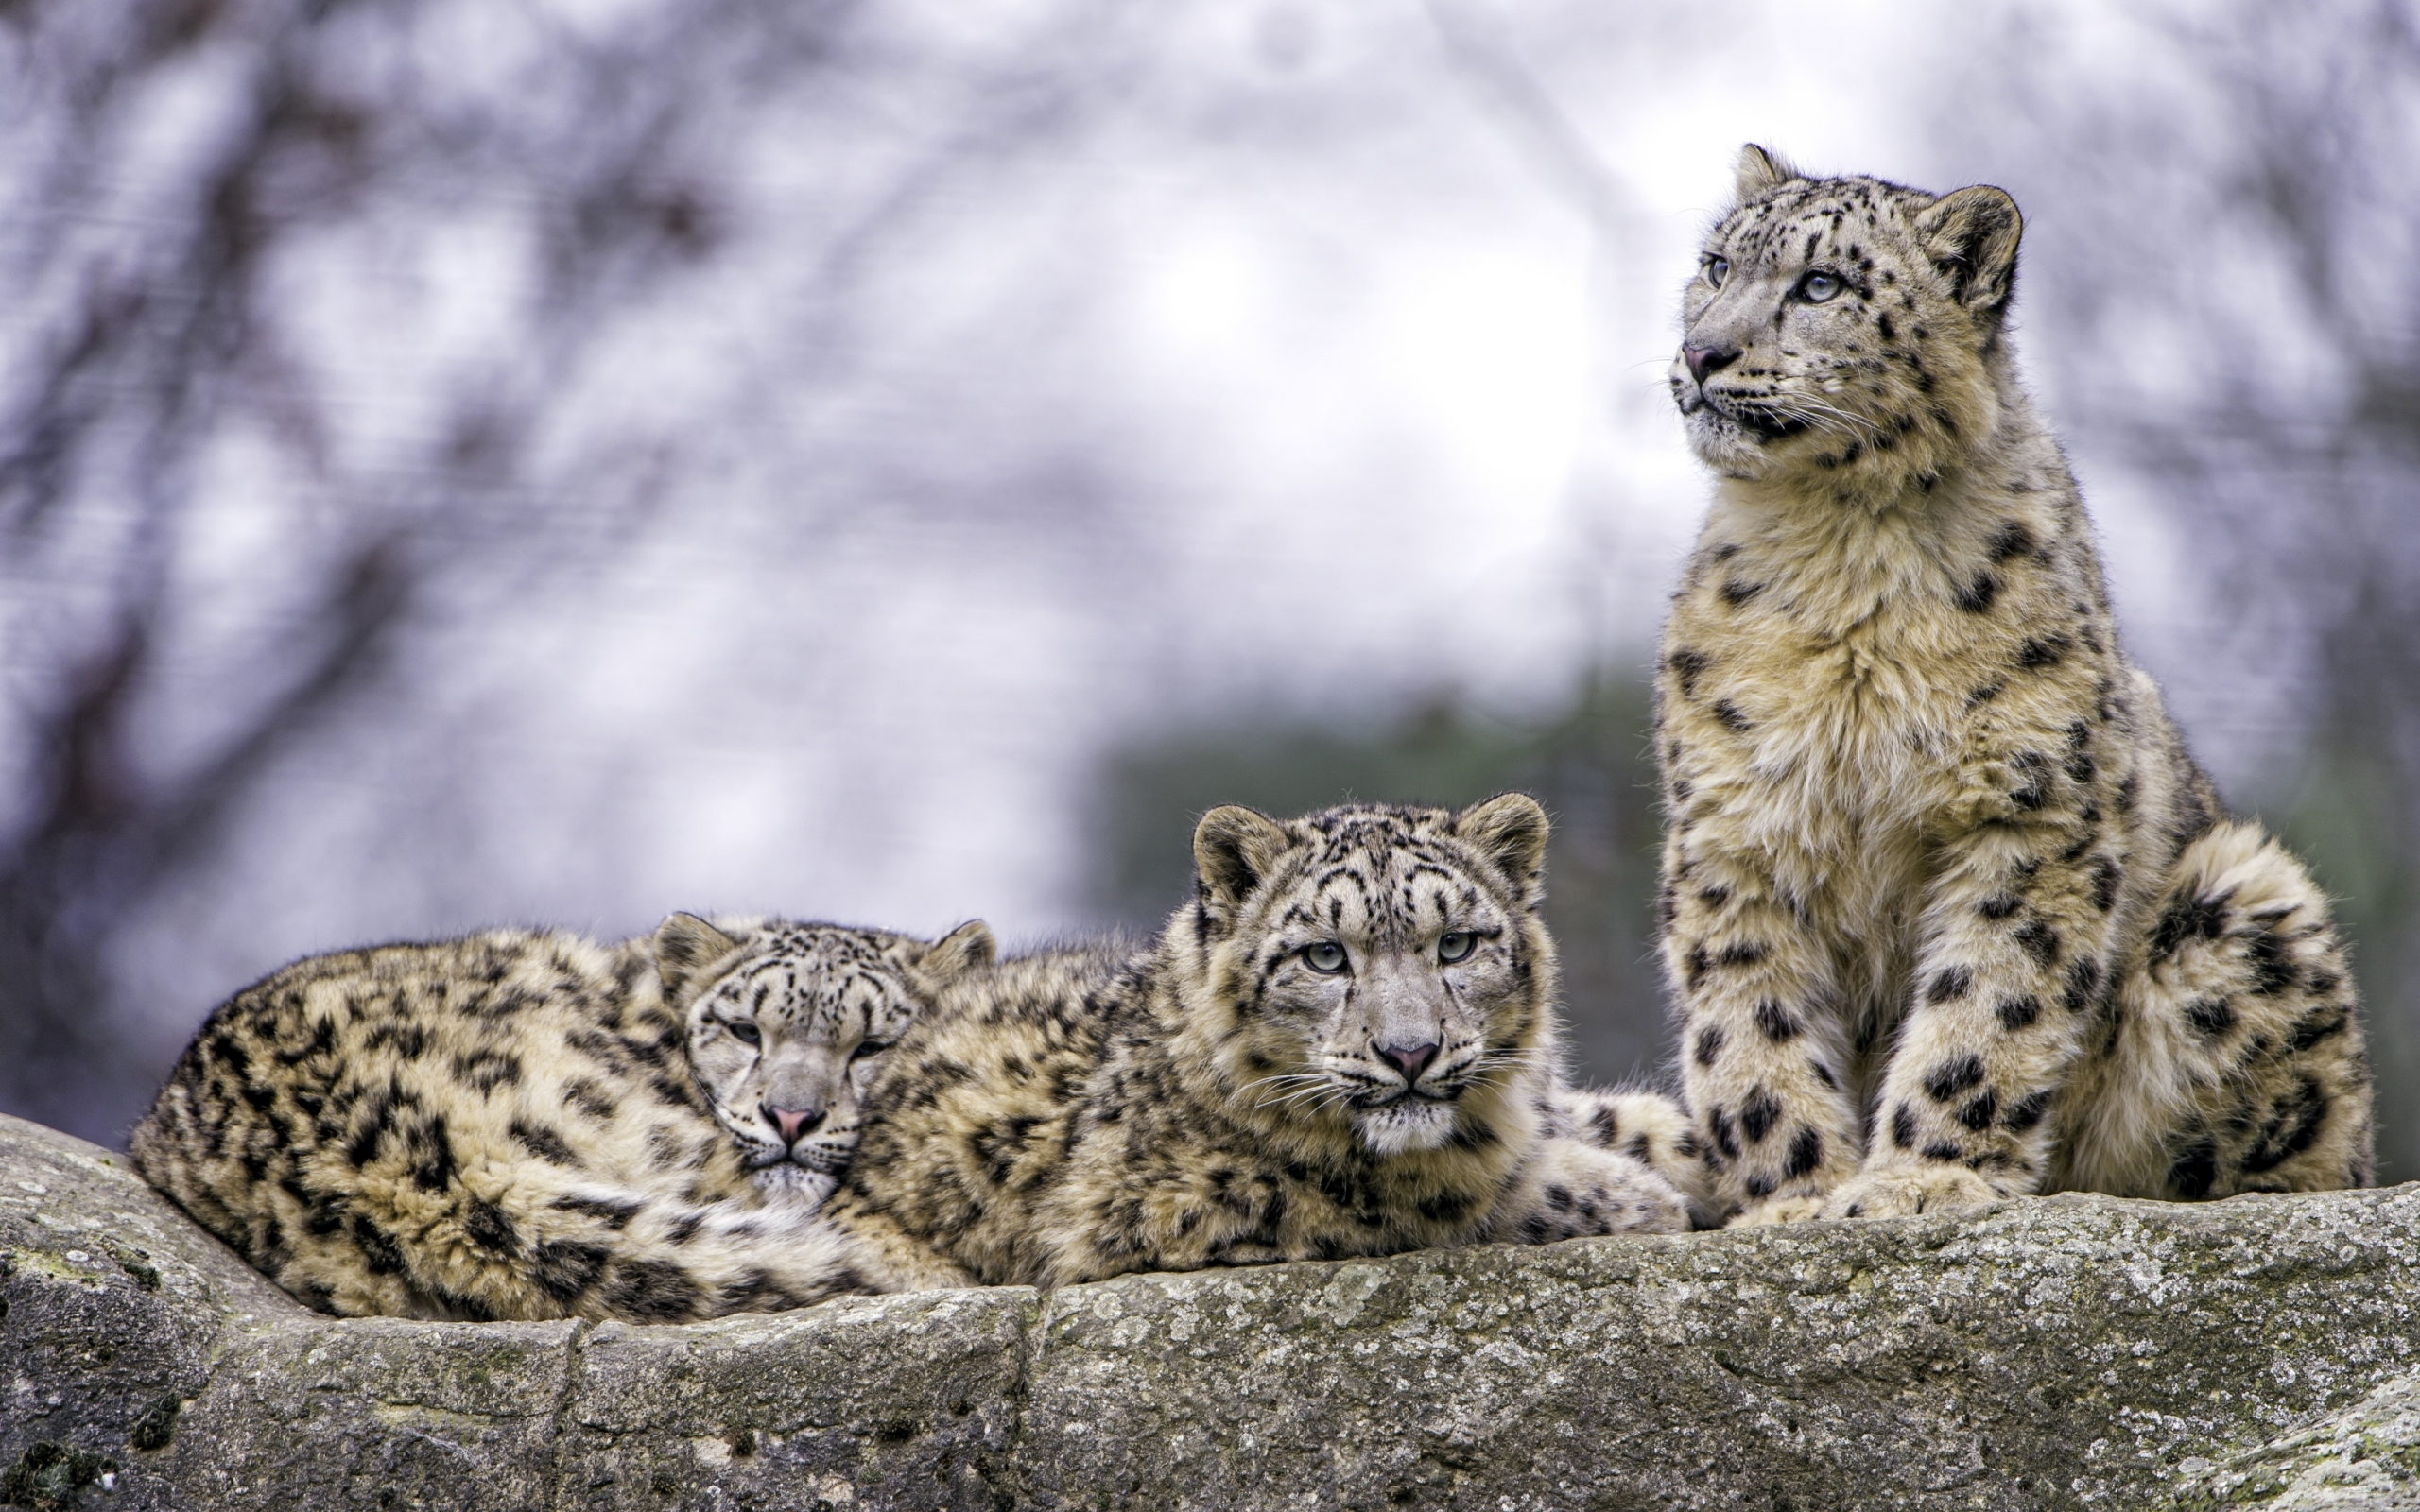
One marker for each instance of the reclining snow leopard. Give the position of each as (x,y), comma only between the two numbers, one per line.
(1344,1045)
(529,1124)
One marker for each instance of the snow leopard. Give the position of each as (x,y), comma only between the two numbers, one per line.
(1650,1126)
(1948,912)
(1344,1044)
(528,1124)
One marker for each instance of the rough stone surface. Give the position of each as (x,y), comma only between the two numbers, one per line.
(2263,1352)
(2366,1455)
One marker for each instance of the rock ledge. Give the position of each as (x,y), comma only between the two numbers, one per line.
(2052,1352)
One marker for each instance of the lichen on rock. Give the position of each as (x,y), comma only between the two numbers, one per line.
(2061,1352)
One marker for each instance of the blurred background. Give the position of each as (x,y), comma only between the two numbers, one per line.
(467,461)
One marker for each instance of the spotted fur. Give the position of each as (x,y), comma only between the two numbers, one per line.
(1949,913)
(1344,1046)
(1649,1128)
(529,1124)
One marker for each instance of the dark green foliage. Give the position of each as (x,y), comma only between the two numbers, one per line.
(2346,813)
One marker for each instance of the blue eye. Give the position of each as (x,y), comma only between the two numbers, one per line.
(1455,944)
(1326,958)
(747,1034)
(1817,287)
(1717,269)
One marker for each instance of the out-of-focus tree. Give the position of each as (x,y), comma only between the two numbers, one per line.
(479,460)
(262,447)
(2223,228)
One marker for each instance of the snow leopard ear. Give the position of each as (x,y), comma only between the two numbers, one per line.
(1233,851)
(686,945)
(1971,235)
(1762,171)
(1510,830)
(961,950)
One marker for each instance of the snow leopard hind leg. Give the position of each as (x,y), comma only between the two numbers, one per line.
(2229,1055)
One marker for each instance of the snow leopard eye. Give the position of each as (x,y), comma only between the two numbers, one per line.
(869,1047)
(1326,958)
(1455,944)
(1717,269)
(1817,287)
(747,1034)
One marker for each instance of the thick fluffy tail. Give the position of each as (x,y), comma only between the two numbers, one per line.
(583,1250)
(676,1262)
(1648,1127)
(1572,1189)
(2232,1058)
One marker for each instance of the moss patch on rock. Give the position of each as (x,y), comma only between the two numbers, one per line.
(47,1476)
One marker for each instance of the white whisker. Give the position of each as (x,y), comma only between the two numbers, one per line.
(1818,411)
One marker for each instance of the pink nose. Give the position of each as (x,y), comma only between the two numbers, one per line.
(793,1122)
(1703,360)
(1410,1060)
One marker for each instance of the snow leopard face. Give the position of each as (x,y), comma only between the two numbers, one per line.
(1379,962)
(788,1023)
(1845,329)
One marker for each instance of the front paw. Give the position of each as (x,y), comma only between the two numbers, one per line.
(1898,1193)
(1778,1210)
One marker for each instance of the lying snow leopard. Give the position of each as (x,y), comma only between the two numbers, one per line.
(529,1124)
(1950,912)
(1344,1046)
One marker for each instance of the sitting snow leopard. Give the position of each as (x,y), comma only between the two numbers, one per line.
(1949,913)
(1344,1046)
(529,1124)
